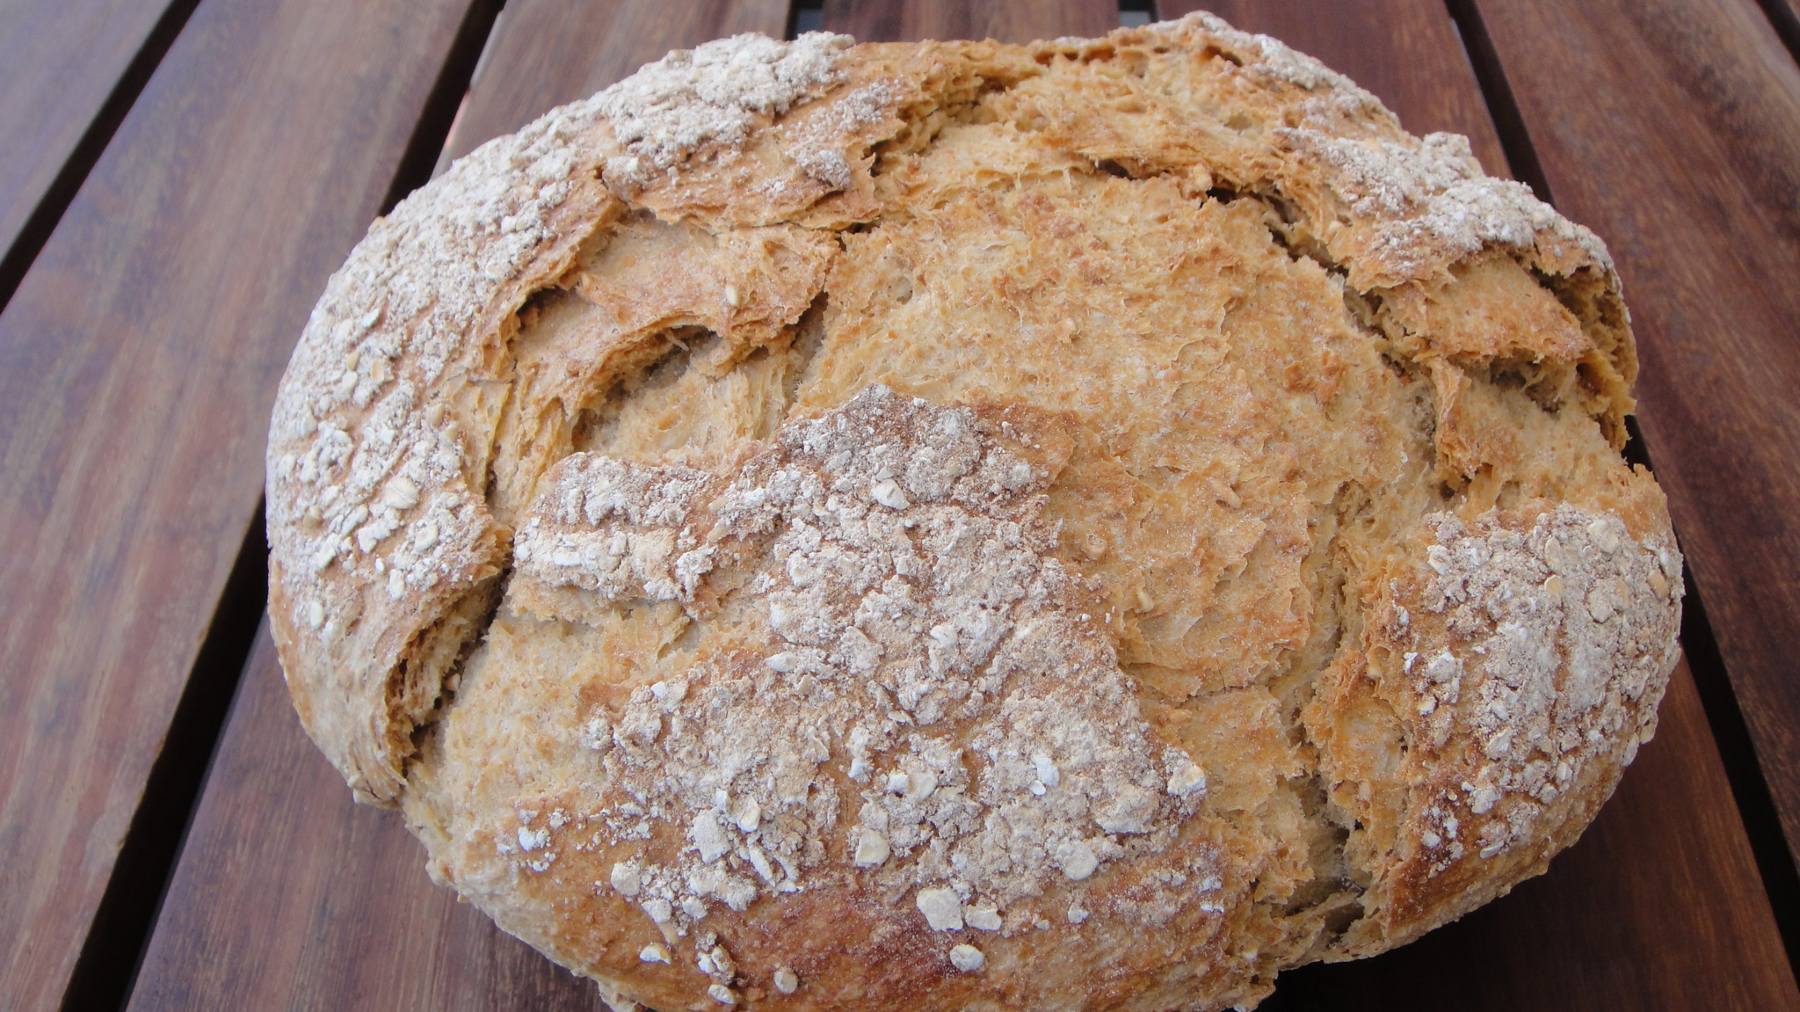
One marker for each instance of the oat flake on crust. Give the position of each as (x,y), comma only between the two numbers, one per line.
(1428,198)
(710,95)
(355,456)
(901,687)
(920,628)
(1563,629)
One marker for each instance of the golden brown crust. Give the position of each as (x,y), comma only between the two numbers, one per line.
(1094,523)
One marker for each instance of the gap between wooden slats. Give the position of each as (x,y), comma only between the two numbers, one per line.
(1676,128)
(1784,17)
(37,193)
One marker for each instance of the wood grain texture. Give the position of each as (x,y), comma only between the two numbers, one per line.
(1614,946)
(1673,130)
(290,895)
(59,65)
(1004,20)
(142,351)
(548,52)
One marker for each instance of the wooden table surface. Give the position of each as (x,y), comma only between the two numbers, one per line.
(180,176)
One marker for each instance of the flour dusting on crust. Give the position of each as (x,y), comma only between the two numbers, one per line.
(924,647)
(355,454)
(835,712)
(375,530)
(1274,59)
(1561,639)
(711,95)
(1432,201)
(1425,201)
(370,509)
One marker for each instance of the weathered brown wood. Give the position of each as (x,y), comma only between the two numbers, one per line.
(545,53)
(141,352)
(290,895)
(1004,20)
(1614,943)
(59,66)
(1674,131)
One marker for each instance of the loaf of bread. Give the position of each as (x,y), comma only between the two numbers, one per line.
(957,525)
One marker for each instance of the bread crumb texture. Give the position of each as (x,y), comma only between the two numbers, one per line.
(1087,524)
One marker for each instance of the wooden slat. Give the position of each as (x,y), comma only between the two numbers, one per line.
(1673,129)
(549,52)
(1004,20)
(59,65)
(352,921)
(1615,944)
(141,353)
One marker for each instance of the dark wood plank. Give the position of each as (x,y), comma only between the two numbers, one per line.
(548,52)
(141,354)
(1674,131)
(290,895)
(242,926)
(1004,20)
(59,65)
(1616,946)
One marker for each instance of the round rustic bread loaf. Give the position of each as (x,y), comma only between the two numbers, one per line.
(1087,524)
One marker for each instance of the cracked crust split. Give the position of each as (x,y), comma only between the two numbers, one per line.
(819,523)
